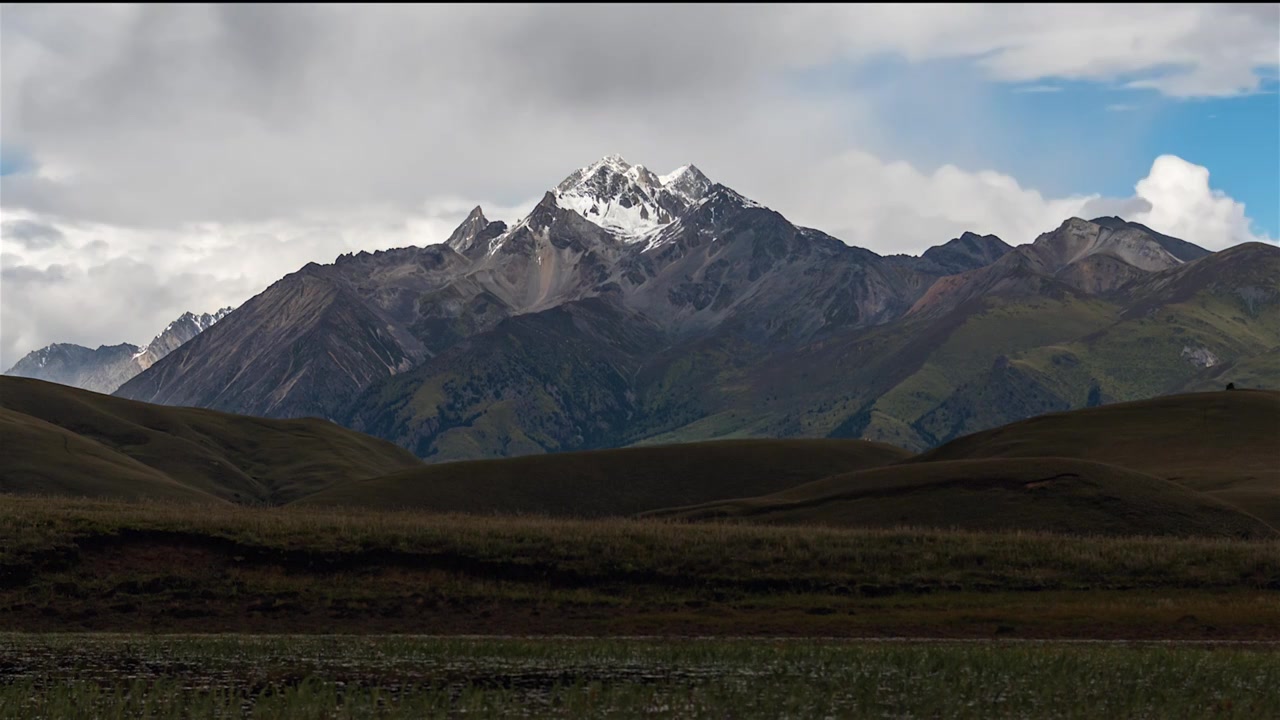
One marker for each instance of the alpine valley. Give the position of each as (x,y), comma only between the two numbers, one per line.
(630,308)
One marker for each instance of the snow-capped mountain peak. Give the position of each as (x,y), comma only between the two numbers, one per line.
(687,182)
(630,200)
(176,333)
(105,369)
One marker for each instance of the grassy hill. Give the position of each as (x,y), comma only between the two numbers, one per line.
(1196,464)
(62,440)
(42,458)
(1225,444)
(612,482)
(1048,494)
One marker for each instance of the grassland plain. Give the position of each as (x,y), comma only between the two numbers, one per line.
(93,565)
(159,677)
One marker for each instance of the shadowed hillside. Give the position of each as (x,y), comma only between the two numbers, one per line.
(1200,464)
(61,440)
(1049,494)
(1226,444)
(613,482)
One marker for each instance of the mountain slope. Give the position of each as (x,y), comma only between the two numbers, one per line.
(996,358)
(71,441)
(100,370)
(915,381)
(175,334)
(304,345)
(542,382)
(968,252)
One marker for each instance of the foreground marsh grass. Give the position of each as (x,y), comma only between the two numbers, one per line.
(93,565)
(415,677)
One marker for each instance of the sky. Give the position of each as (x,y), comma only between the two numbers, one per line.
(157,159)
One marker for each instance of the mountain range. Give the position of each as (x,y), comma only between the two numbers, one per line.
(110,366)
(630,308)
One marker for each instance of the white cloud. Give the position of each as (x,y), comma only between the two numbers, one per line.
(103,284)
(1183,205)
(895,208)
(165,114)
(1181,50)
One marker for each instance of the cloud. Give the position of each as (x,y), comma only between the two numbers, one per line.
(1121,107)
(1038,89)
(162,114)
(106,284)
(189,155)
(892,207)
(31,234)
(1185,206)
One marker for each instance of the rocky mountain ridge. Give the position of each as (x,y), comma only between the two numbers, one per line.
(629,307)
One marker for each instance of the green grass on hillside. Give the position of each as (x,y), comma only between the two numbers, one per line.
(1050,494)
(1003,327)
(82,443)
(1225,444)
(1195,464)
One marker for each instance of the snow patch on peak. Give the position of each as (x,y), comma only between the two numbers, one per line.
(630,200)
(666,179)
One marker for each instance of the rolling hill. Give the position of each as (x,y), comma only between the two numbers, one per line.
(62,440)
(1192,464)
(611,482)
(1033,494)
(1224,444)
(1202,463)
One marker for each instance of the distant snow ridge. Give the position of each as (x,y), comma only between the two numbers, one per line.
(630,200)
(176,333)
